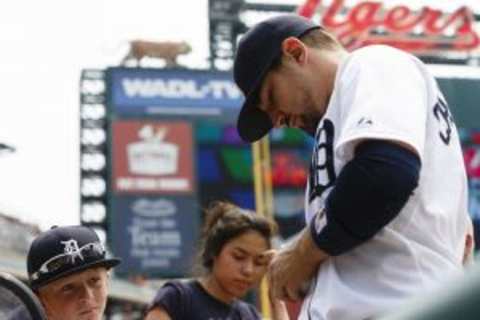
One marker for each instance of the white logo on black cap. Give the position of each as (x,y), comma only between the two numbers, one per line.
(72,250)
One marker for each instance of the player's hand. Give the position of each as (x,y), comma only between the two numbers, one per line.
(293,266)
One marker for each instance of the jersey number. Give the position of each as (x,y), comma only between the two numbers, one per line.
(322,170)
(443,115)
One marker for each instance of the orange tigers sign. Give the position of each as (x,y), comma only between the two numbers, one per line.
(423,31)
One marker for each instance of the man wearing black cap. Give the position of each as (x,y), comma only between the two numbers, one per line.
(386,203)
(68,270)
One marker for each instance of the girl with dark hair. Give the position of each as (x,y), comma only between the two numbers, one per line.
(234,256)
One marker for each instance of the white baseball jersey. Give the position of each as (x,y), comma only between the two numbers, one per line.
(384,93)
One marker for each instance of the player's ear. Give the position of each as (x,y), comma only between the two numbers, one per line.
(295,50)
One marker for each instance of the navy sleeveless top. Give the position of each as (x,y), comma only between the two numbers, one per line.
(190,301)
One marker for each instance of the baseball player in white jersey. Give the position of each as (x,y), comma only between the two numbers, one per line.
(386,202)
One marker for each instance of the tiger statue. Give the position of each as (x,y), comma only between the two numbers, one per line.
(167,50)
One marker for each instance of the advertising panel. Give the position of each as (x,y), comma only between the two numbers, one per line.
(471,155)
(152,157)
(155,235)
(135,91)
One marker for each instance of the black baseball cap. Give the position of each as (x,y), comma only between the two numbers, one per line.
(63,251)
(257,50)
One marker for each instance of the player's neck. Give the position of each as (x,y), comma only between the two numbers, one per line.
(325,63)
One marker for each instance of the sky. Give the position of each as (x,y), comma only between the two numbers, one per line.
(44,46)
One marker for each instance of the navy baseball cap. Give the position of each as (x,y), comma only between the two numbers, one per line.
(63,251)
(257,50)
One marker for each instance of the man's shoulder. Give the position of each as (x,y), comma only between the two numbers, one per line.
(380,55)
(379,51)
(380,60)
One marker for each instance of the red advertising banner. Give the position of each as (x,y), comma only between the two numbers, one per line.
(371,22)
(471,156)
(152,157)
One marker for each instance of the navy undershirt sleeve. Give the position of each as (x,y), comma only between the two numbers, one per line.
(171,298)
(369,192)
